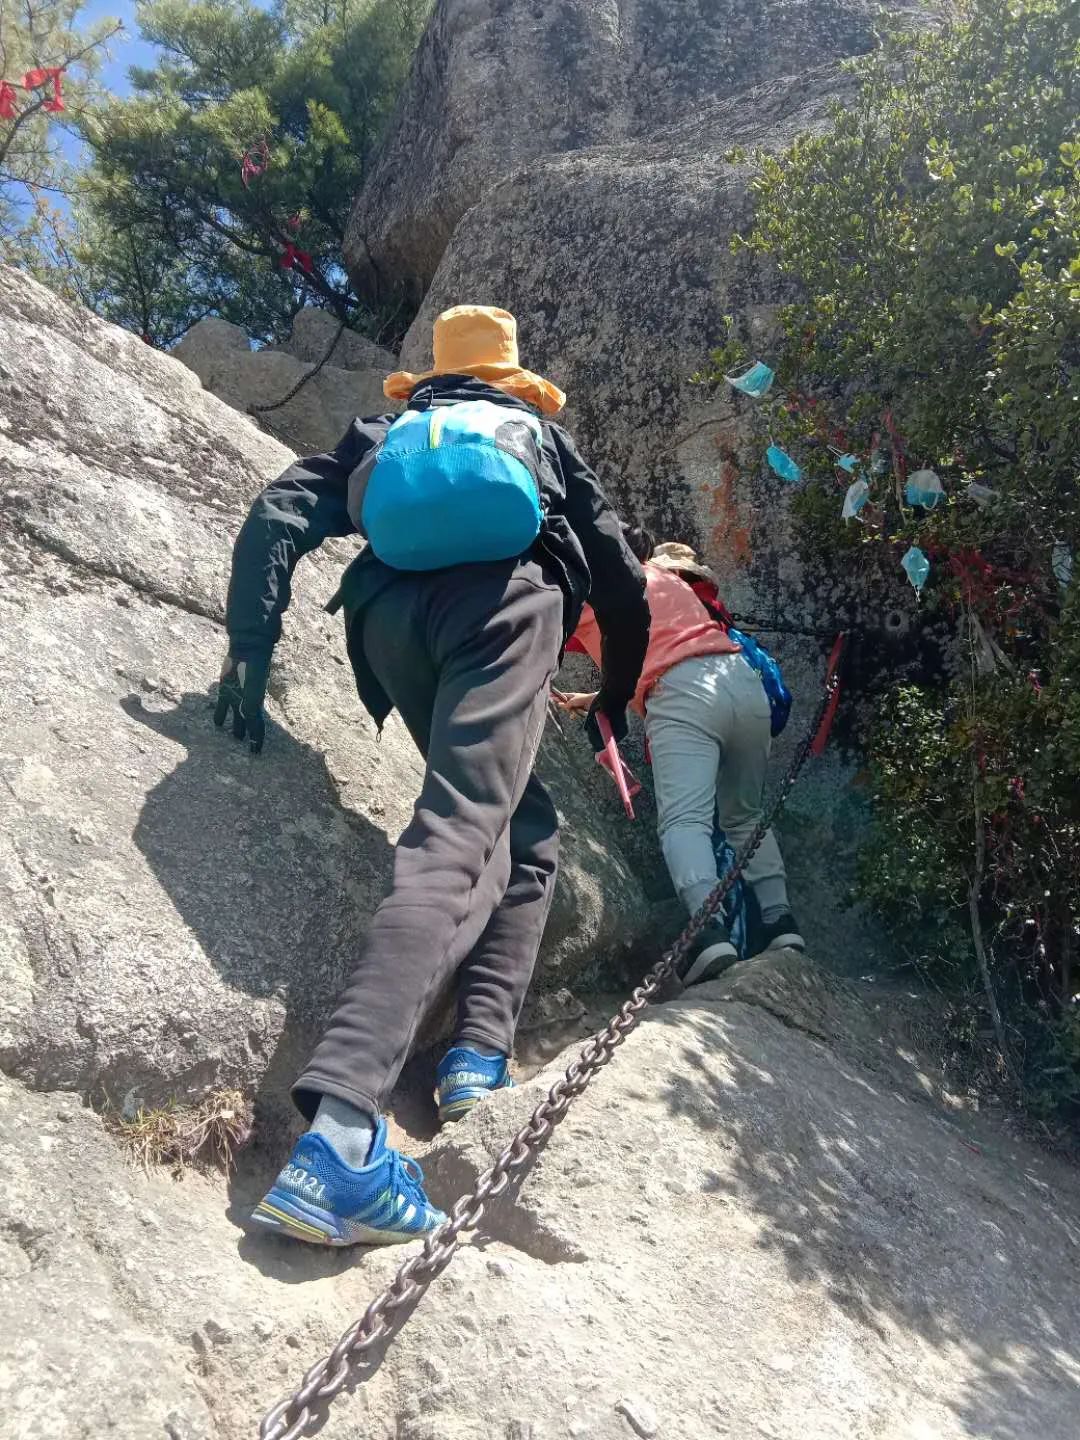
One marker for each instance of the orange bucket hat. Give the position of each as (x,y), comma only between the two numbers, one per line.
(482,342)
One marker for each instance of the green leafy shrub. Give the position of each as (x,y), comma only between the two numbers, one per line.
(933,239)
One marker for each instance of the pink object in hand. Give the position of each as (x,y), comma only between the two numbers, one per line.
(616,767)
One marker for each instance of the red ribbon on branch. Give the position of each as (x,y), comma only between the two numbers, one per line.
(294,259)
(254,163)
(897,442)
(35,79)
(981,582)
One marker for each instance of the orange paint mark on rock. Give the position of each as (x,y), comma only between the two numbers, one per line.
(729,536)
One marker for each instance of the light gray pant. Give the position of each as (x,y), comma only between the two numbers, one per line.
(708,725)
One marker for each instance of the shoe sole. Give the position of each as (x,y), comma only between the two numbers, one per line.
(464,1102)
(286,1215)
(458,1109)
(711,963)
(786,942)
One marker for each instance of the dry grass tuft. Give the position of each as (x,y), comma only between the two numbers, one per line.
(205,1136)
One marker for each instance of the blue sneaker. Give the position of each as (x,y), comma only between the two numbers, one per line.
(464,1078)
(320,1199)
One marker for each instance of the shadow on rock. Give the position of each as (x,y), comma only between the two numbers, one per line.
(276,881)
(877,1201)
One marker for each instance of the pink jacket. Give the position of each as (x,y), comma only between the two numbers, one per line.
(681,628)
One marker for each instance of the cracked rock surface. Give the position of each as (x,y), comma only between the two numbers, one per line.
(176,915)
(317,416)
(738,1231)
(497,84)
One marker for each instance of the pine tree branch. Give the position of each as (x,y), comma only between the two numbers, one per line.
(6,175)
(17,124)
(63,67)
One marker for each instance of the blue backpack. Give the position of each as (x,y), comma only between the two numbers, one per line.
(771,677)
(455,484)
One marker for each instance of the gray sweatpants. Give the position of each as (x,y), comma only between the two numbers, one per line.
(708,725)
(467,656)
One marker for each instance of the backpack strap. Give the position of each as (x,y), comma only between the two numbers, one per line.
(714,606)
(358,482)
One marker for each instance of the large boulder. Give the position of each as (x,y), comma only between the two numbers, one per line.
(600,206)
(176,915)
(499,83)
(618,264)
(315,331)
(756,1222)
(315,418)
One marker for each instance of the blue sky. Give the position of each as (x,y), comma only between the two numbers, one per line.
(128,49)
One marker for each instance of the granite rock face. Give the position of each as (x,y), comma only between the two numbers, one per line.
(762,1167)
(175,914)
(498,84)
(347,385)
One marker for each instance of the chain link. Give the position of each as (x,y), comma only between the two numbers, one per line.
(290,1417)
(774,627)
(257,410)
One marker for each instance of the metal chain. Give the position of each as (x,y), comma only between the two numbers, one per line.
(774,627)
(258,410)
(290,1417)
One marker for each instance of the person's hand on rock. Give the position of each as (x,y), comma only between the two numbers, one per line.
(242,690)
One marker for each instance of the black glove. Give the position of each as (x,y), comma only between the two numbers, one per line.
(616,716)
(243,690)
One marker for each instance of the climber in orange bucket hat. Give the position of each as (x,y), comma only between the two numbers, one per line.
(481,342)
(487,532)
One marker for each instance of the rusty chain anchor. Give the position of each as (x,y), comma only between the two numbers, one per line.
(290,1417)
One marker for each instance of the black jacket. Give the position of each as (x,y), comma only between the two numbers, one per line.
(580,544)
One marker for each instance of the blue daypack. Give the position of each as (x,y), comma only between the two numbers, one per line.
(454,484)
(771,678)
